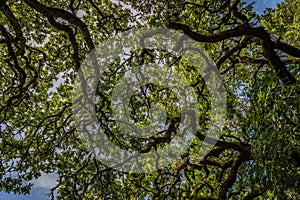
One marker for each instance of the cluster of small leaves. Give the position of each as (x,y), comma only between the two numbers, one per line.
(275,123)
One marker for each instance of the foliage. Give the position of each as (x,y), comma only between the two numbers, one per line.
(274,122)
(44,42)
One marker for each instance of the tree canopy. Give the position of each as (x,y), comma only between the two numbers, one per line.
(43,45)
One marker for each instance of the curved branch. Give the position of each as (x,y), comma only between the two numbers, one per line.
(231,177)
(56,12)
(14,22)
(245,30)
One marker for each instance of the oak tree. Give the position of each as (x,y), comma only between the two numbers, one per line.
(42,47)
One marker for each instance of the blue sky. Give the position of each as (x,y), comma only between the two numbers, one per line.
(260,5)
(40,189)
(36,194)
(41,186)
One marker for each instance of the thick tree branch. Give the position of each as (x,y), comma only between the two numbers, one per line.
(245,30)
(240,147)
(293,51)
(13,20)
(56,12)
(231,177)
